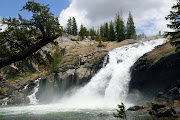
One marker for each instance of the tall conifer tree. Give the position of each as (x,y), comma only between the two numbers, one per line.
(174,17)
(111,32)
(83,32)
(74,26)
(102,30)
(131,33)
(119,28)
(69,26)
(106,31)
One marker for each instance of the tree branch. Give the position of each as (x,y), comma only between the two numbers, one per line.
(29,51)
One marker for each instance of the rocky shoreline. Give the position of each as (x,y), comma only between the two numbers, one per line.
(156,76)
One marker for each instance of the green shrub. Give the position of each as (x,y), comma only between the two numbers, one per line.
(74,39)
(121,112)
(100,44)
(56,59)
(93,37)
(2,91)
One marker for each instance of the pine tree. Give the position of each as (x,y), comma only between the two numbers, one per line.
(86,32)
(102,30)
(83,32)
(74,26)
(121,112)
(106,31)
(23,38)
(174,17)
(119,28)
(122,30)
(92,32)
(131,33)
(111,32)
(97,32)
(69,26)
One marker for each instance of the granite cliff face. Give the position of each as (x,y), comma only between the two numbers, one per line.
(80,61)
(76,73)
(156,71)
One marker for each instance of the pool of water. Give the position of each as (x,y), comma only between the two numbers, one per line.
(54,112)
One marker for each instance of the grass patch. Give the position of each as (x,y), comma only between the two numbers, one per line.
(21,75)
(163,50)
(3,91)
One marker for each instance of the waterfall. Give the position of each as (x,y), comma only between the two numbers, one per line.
(105,90)
(5,101)
(109,86)
(32,97)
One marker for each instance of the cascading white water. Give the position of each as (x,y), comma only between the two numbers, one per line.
(105,90)
(109,86)
(32,97)
(5,101)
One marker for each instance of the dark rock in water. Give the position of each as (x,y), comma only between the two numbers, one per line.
(157,105)
(164,112)
(136,108)
(102,115)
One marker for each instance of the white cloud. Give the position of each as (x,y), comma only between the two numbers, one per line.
(3,27)
(148,14)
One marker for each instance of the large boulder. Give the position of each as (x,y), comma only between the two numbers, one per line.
(155,71)
(164,110)
(17,98)
(136,108)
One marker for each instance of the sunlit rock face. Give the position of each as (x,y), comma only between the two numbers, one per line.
(75,73)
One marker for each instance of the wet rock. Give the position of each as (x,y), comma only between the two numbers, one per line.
(102,115)
(26,100)
(30,86)
(136,108)
(157,105)
(177,110)
(83,75)
(176,103)
(160,94)
(174,91)
(17,98)
(164,112)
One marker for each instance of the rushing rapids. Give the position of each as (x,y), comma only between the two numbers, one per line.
(105,90)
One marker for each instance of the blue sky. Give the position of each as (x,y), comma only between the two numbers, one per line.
(12,7)
(149,15)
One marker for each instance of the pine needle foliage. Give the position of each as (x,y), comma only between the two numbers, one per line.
(121,112)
